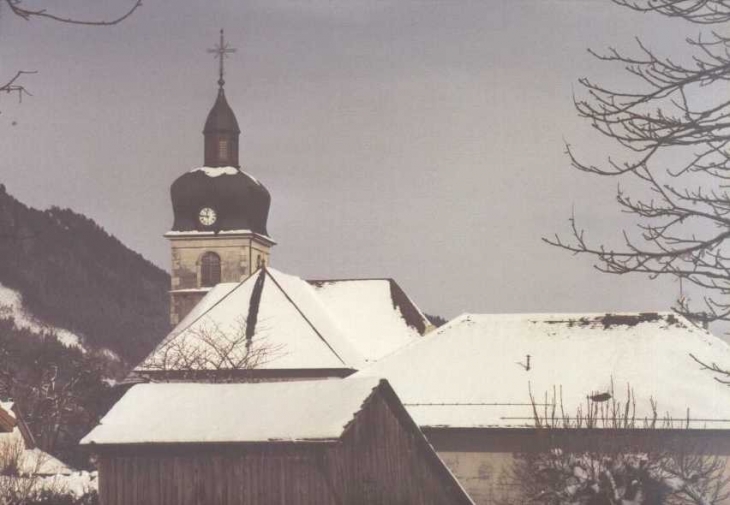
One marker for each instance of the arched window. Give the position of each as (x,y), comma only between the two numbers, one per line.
(210,269)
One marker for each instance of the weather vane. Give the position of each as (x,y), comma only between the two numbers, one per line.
(221,51)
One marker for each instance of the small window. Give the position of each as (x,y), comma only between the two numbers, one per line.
(223,149)
(210,269)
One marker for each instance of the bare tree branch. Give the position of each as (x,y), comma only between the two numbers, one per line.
(14,84)
(673,126)
(561,468)
(212,350)
(29,14)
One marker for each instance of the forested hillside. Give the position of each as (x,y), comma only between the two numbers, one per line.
(69,292)
(74,275)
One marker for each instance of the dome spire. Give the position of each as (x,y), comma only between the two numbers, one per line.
(221,128)
(221,51)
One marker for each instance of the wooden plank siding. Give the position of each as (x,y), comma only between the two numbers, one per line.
(386,462)
(207,476)
(380,459)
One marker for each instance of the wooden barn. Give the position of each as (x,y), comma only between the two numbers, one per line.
(311,442)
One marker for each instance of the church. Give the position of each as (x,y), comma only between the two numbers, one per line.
(253,347)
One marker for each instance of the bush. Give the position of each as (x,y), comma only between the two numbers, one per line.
(48,497)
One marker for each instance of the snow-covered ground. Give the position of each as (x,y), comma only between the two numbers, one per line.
(11,305)
(76,484)
(38,470)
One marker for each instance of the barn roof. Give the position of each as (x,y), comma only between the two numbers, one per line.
(245,412)
(473,372)
(294,323)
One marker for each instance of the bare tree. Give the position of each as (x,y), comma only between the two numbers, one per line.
(14,84)
(624,463)
(212,352)
(673,126)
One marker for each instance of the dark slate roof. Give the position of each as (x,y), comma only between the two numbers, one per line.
(221,117)
(240,201)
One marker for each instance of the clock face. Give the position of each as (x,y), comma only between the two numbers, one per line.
(207,216)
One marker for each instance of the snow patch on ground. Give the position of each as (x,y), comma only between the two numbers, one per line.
(110,355)
(76,484)
(11,305)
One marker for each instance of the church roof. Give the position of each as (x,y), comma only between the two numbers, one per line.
(291,324)
(474,371)
(249,412)
(376,313)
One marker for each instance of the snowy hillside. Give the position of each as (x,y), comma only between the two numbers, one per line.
(11,306)
(61,269)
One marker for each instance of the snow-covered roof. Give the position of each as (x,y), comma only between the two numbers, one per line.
(244,412)
(7,408)
(218,171)
(474,371)
(38,462)
(293,324)
(30,460)
(376,313)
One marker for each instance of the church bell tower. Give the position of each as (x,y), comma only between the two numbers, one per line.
(219,232)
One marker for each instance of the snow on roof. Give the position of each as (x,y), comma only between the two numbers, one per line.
(218,171)
(214,295)
(207,233)
(11,305)
(249,412)
(31,461)
(335,324)
(473,372)
(292,329)
(37,462)
(7,407)
(378,320)
(8,420)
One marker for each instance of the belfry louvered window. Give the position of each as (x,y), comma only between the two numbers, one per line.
(210,269)
(223,149)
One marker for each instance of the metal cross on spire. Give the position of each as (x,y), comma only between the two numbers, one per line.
(221,51)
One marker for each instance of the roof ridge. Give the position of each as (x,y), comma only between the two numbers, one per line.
(301,312)
(349,279)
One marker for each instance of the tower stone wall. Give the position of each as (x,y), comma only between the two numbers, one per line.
(240,256)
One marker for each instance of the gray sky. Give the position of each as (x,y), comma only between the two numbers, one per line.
(416,140)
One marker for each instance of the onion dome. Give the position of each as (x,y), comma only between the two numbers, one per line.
(219,199)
